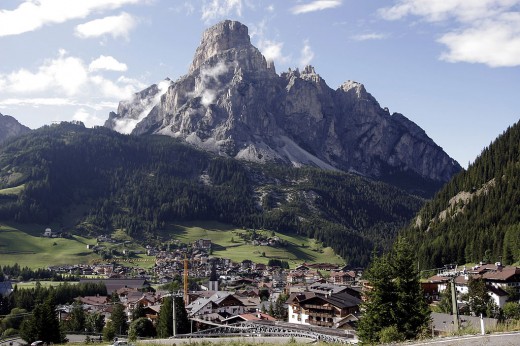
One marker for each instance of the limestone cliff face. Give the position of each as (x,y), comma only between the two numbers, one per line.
(10,128)
(233,102)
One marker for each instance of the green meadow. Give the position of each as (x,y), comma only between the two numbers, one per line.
(25,245)
(227,243)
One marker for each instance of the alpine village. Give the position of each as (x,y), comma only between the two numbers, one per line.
(250,205)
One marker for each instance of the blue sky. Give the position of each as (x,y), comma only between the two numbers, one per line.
(451,66)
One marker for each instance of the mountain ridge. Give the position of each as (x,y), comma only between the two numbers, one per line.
(476,216)
(233,102)
(11,128)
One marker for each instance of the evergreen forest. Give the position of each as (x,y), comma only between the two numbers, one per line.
(94,181)
(476,216)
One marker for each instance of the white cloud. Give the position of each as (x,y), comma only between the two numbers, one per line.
(212,9)
(208,79)
(440,10)
(108,63)
(316,5)
(368,37)
(36,102)
(31,15)
(116,26)
(306,54)
(115,90)
(67,74)
(495,43)
(272,51)
(484,31)
(127,125)
(88,118)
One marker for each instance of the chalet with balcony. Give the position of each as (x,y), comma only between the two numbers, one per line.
(324,310)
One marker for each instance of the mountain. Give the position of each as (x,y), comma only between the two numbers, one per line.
(232,102)
(476,216)
(10,128)
(94,181)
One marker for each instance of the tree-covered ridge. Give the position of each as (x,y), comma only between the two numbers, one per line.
(476,216)
(92,181)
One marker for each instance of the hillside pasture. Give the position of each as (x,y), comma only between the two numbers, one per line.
(228,243)
(26,246)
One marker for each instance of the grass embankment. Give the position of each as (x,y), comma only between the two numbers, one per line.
(227,243)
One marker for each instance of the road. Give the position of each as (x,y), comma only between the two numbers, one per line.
(499,339)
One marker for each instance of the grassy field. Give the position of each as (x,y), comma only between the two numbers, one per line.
(23,244)
(228,244)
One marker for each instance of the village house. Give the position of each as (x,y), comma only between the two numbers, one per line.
(333,310)
(217,307)
(498,280)
(204,244)
(342,278)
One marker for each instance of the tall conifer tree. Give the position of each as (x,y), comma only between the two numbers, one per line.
(395,300)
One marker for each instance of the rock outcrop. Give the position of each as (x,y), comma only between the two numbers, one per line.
(233,102)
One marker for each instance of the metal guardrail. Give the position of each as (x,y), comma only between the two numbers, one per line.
(265,328)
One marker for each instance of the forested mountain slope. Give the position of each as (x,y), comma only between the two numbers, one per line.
(92,181)
(476,216)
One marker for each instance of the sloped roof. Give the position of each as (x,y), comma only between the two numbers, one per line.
(340,300)
(505,274)
(299,297)
(497,291)
(94,300)
(115,284)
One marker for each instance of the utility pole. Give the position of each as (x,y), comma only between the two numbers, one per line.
(454,304)
(174,319)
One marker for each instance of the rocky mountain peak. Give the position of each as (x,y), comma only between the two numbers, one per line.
(233,103)
(354,87)
(220,38)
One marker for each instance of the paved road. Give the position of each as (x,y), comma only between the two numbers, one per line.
(505,339)
(502,339)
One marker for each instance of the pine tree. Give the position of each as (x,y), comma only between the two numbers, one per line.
(43,324)
(411,312)
(165,320)
(395,306)
(478,297)
(119,319)
(378,307)
(182,323)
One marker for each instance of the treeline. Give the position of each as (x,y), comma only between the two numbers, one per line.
(64,293)
(141,184)
(25,274)
(484,226)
